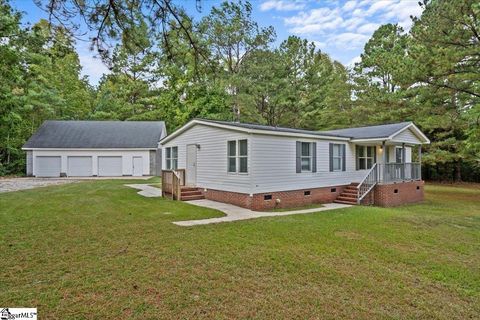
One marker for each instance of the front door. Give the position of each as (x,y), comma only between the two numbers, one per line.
(137,166)
(191,174)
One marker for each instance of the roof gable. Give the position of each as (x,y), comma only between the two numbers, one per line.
(97,135)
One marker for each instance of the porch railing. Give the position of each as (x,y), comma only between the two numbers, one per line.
(172,182)
(367,184)
(397,172)
(388,173)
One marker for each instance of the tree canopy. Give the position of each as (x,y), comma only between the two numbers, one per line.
(167,66)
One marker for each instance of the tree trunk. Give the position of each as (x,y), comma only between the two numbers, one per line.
(458,171)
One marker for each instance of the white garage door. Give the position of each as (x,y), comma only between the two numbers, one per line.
(47,166)
(109,166)
(79,166)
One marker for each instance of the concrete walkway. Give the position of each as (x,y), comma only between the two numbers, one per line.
(146,190)
(234,213)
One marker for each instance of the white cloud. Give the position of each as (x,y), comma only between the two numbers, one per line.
(348,40)
(349,5)
(368,28)
(354,60)
(316,20)
(281,5)
(92,67)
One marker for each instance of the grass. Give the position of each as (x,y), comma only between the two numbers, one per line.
(308,206)
(96,249)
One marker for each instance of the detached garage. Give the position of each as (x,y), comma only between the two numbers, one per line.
(95,148)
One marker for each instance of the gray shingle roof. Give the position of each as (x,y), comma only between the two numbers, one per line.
(97,134)
(270,128)
(370,132)
(379,131)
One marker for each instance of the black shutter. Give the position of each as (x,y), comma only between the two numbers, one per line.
(343,158)
(299,152)
(387,154)
(314,157)
(357,161)
(330,156)
(375,154)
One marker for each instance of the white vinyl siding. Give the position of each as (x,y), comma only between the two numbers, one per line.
(406,136)
(212,168)
(273,159)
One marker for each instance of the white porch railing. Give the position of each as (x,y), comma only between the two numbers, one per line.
(368,183)
(388,173)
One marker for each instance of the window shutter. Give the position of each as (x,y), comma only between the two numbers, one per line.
(388,154)
(357,161)
(343,158)
(314,157)
(330,155)
(299,152)
(375,154)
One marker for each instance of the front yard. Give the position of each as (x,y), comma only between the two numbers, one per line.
(93,250)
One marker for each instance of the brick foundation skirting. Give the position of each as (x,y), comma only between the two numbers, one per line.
(391,195)
(286,199)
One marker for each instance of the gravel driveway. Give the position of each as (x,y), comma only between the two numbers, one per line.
(15,184)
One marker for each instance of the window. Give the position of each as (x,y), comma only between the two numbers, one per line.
(398,155)
(172,158)
(237,156)
(242,156)
(306,156)
(306,193)
(267,197)
(232,156)
(337,157)
(365,157)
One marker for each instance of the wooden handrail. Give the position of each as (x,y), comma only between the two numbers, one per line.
(172,182)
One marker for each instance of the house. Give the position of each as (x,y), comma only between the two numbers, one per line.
(263,167)
(95,148)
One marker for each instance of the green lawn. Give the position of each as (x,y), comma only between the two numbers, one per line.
(95,250)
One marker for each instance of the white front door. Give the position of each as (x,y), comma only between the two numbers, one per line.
(137,166)
(191,174)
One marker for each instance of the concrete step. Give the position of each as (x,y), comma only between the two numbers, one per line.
(187,198)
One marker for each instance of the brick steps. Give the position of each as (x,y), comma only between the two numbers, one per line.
(188,193)
(349,195)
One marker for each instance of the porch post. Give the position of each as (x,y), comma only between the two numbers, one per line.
(420,162)
(403,161)
(384,156)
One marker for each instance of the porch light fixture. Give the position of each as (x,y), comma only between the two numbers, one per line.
(198,146)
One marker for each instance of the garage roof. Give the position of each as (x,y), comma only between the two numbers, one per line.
(97,135)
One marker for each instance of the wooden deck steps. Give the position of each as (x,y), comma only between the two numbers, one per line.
(349,195)
(188,193)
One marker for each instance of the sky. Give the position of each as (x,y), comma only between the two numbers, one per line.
(339,28)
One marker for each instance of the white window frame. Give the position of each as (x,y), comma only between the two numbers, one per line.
(237,157)
(169,158)
(366,157)
(309,157)
(340,156)
(401,154)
